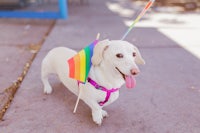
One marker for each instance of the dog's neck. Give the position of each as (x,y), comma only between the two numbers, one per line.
(106,76)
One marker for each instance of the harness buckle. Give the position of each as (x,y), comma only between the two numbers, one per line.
(98,87)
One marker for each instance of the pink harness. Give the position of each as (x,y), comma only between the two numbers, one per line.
(98,87)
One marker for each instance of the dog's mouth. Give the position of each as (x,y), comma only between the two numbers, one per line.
(129,79)
(123,75)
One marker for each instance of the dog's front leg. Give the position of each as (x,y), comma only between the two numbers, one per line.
(97,112)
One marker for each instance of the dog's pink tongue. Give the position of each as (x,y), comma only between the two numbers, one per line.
(130,81)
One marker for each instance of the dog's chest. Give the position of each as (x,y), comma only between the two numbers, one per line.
(112,98)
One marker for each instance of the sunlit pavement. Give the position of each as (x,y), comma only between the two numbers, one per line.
(180,26)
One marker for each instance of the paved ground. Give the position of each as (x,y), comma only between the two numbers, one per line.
(20,41)
(165,100)
(18,37)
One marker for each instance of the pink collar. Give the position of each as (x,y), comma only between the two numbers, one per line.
(98,87)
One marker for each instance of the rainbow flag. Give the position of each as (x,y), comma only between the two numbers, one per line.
(79,65)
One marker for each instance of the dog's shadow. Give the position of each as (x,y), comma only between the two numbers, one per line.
(65,100)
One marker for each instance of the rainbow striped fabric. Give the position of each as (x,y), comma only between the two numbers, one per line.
(79,65)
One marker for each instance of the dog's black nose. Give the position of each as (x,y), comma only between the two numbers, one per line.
(135,71)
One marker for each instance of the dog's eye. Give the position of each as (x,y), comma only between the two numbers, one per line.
(134,54)
(119,55)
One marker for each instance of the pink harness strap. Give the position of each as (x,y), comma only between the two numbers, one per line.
(108,92)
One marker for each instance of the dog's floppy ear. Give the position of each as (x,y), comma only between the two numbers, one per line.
(98,52)
(139,59)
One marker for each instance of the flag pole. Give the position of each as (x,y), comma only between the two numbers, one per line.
(148,5)
(77,101)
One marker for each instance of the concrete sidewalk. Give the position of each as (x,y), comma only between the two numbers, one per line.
(20,41)
(165,100)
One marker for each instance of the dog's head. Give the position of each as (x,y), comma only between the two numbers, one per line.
(120,57)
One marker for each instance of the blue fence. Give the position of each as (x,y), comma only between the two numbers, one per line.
(62,13)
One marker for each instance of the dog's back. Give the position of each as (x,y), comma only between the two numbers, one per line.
(55,62)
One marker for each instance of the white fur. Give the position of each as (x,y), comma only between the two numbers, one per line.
(103,71)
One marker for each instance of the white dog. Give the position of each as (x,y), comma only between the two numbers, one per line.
(113,64)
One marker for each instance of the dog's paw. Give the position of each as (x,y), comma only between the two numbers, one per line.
(98,121)
(48,90)
(97,117)
(104,113)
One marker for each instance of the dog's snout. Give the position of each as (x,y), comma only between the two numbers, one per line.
(135,71)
